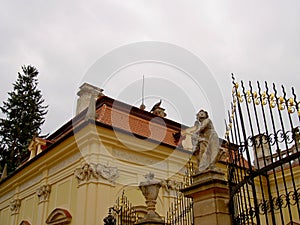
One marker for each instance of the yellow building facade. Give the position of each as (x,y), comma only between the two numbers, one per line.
(90,163)
(79,172)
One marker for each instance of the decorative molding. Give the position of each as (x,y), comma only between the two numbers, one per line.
(15,206)
(8,195)
(96,171)
(142,160)
(25,222)
(64,163)
(30,182)
(58,217)
(43,193)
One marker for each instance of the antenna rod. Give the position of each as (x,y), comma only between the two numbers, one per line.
(143,87)
(142,106)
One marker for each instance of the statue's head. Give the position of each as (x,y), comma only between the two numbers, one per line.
(202,114)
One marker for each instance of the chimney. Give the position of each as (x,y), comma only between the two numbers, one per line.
(85,93)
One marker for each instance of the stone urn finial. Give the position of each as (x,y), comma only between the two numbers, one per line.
(150,189)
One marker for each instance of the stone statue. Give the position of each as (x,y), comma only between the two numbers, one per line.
(205,142)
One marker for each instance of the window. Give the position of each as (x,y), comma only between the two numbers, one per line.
(25,222)
(59,217)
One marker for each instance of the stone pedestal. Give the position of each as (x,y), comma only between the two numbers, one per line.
(210,193)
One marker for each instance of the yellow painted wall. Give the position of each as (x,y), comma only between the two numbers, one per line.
(88,201)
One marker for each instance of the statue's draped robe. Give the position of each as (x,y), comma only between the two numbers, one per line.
(207,146)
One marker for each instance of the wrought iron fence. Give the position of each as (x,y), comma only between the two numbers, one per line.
(263,143)
(181,209)
(122,213)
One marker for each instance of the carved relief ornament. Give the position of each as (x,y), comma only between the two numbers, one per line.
(43,192)
(15,206)
(96,171)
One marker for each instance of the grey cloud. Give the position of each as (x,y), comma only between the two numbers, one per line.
(257,40)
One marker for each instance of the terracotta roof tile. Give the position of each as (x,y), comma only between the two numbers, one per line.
(155,128)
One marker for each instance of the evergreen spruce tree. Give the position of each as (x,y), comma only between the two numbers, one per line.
(25,113)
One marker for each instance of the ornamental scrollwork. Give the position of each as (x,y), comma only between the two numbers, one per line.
(279,202)
(280,136)
(245,216)
(96,171)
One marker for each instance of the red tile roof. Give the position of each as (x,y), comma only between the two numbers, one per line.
(155,129)
(136,121)
(118,115)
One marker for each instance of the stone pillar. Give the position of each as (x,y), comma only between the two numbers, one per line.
(210,193)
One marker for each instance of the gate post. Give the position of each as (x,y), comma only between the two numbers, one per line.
(210,193)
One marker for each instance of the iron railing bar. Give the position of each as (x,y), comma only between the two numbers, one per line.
(241,174)
(236,159)
(280,157)
(177,211)
(290,165)
(185,209)
(264,158)
(297,112)
(248,156)
(231,170)
(192,210)
(264,170)
(236,134)
(242,196)
(297,104)
(118,217)
(273,126)
(244,192)
(172,214)
(181,210)
(232,152)
(254,144)
(237,166)
(237,208)
(270,150)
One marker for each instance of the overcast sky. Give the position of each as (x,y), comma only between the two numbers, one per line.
(255,40)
